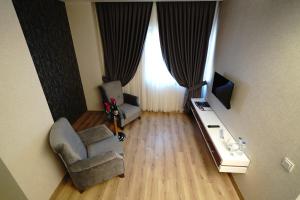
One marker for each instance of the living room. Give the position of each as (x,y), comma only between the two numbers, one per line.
(198,99)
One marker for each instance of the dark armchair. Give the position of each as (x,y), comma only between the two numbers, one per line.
(128,104)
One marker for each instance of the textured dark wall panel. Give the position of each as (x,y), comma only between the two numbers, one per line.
(46,29)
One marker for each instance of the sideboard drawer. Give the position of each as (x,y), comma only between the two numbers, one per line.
(207,139)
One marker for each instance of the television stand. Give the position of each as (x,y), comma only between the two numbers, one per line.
(226,161)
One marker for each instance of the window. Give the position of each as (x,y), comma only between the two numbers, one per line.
(153,83)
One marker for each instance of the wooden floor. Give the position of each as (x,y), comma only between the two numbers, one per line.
(165,159)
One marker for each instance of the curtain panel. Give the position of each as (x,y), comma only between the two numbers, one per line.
(184,30)
(157,90)
(123,28)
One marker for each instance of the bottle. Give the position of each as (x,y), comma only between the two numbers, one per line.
(240,141)
(221,132)
(242,145)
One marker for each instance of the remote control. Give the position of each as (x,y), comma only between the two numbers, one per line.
(213,126)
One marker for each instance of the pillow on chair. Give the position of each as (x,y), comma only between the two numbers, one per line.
(68,154)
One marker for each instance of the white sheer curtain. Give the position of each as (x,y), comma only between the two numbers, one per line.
(152,83)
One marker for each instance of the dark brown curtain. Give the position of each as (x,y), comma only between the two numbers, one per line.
(184,30)
(123,28)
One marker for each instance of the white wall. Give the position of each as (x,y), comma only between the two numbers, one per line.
(83,22)
(258,47)
(25,118)
(9,189)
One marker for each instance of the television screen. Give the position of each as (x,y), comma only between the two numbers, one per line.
(222,89)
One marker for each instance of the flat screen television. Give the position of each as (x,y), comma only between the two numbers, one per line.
(222,89)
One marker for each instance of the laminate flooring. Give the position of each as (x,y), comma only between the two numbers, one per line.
(165,159)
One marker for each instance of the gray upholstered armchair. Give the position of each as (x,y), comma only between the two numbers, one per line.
(90,157)
(128,104)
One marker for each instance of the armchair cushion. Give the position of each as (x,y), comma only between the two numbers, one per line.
(108,144)
(68,154)
(95,134)
(129,110)
(94,161)
(113,89)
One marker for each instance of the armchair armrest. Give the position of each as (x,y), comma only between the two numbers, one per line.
(89,163)
(94,134)
(131,99)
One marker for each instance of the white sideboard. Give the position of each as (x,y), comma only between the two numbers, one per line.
(226,161)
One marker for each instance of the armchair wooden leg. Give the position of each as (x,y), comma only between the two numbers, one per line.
(122,175)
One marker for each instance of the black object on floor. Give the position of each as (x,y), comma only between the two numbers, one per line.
(121,136)
(213,126)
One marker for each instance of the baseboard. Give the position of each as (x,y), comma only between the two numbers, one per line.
(59,187)
(236,187)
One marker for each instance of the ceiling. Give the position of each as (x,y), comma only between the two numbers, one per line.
(128,0)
